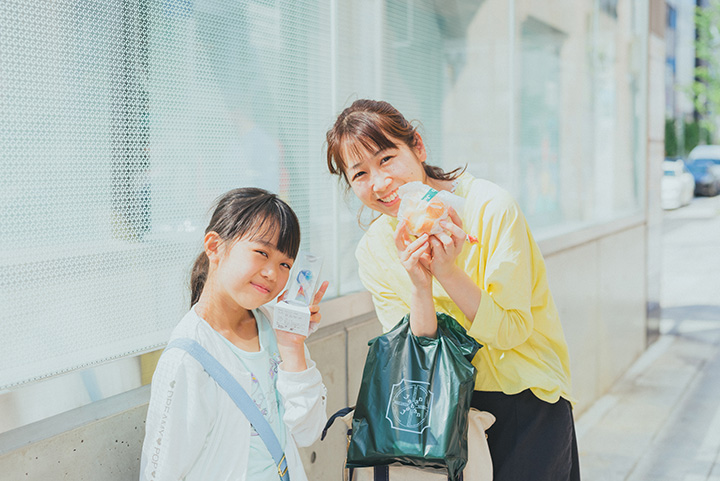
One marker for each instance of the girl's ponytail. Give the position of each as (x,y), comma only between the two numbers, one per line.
(198,276)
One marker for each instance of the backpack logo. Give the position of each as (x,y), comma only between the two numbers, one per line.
(409,406)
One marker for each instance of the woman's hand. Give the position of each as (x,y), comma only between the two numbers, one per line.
(290,344)
(446,246)
(457,283)
(414,256)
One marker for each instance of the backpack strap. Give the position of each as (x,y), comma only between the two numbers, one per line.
(381,473)
(239,396)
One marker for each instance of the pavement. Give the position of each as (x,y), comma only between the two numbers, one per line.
(661,420)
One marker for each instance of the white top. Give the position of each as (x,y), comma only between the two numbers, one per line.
(194,431)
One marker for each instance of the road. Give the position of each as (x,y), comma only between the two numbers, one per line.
(661,420)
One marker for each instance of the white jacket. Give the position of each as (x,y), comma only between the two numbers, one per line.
(194,431)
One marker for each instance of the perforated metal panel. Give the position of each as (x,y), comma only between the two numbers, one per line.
(120,123)
(122,120)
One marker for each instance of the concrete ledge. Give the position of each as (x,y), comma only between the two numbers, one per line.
(344,308)
(102,440)
(76,418)
(552,242)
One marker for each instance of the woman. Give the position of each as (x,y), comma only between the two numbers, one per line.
(497,288)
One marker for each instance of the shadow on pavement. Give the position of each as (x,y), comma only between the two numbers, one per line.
(692,312)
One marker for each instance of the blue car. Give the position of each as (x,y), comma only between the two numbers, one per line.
(707,176)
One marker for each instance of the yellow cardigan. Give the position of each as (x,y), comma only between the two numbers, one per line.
(517,321)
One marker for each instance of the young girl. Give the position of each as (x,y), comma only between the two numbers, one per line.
(194,431)
(497,288)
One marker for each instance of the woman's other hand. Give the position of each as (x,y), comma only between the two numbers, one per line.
(446,246)
(457,283)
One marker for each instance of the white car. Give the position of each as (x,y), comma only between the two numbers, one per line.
(711,152)
(678,185)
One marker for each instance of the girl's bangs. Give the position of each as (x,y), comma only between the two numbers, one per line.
(277,228)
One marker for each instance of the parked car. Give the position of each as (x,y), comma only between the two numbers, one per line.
(710,152)
(707,176)
(678,184)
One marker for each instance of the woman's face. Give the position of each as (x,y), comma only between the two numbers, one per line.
(375,176)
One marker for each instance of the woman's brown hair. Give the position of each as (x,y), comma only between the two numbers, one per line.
(371,125)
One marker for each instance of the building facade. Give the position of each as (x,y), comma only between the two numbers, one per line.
(124,120)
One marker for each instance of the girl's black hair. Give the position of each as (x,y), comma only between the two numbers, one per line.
(248,212)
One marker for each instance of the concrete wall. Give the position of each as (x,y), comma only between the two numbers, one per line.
(599,288)
(655,155)
(598,277)
(101,441)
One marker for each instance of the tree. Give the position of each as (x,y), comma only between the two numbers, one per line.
(671,145)
(706,87)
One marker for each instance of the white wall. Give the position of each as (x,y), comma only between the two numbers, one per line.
(599,288)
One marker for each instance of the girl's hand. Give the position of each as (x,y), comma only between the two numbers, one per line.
(447,245)
(290,344)
(315,308)
(414,256)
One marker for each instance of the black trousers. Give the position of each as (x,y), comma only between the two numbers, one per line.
(531,440)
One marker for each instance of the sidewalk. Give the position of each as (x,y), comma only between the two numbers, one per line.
(661,421)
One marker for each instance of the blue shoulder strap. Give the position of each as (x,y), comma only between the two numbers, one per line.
(241,398)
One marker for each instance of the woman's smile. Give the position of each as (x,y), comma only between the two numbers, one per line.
(390,198)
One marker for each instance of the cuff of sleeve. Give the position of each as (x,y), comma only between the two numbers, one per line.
(301,388)
(487,320)
(309,376)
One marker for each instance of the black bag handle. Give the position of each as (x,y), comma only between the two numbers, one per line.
(380,473)
(341,413)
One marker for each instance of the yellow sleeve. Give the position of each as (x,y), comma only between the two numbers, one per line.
(380,277)
(504,317)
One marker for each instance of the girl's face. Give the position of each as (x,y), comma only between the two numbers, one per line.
(375,176)
(251,271)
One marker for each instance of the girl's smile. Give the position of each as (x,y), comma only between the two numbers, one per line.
(260,288)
